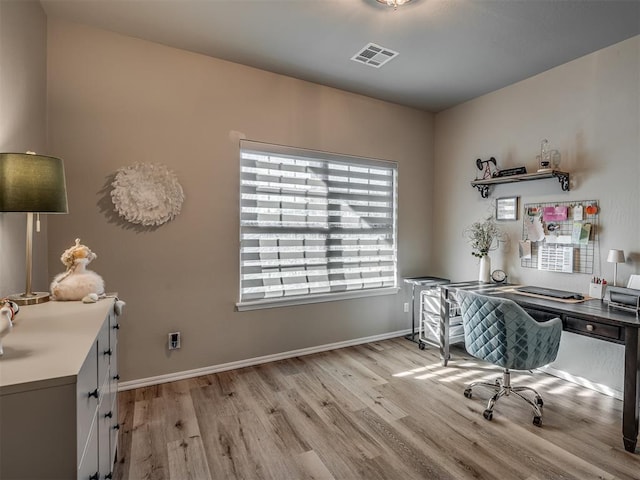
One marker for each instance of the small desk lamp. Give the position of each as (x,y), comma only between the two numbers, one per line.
(615,257)
(31,183)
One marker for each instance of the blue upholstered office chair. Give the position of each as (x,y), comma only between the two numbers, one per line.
(499,331)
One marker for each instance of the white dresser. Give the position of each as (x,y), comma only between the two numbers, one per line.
(58,386)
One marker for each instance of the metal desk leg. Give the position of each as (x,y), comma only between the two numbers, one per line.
(444,327)
(631,393)
(412,336)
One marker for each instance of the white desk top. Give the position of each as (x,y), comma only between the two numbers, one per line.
(49,343)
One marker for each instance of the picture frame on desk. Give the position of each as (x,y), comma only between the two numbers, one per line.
(507,208)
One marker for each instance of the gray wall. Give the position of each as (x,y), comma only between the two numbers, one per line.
(115,100)
(589,109)
(23,60)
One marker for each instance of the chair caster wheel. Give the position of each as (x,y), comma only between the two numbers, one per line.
(421,345)
(467,392)
(537,421)
(539,402)
(488,414)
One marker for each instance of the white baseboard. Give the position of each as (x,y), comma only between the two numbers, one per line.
(583,382)
(197,372)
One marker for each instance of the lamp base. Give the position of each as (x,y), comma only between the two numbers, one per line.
(29,298)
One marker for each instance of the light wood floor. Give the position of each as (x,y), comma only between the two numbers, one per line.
(383,410)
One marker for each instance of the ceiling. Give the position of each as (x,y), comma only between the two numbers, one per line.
(450,51)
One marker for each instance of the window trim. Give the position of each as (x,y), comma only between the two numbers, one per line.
(274,302)
(314,298)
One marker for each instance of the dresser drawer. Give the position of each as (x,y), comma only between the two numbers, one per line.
(105,421)
(115,429)
(114,326)
(104,353)
(113,378)
(594,329)
(87,396)
(89,464)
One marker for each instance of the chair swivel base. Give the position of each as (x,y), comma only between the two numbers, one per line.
(502,388)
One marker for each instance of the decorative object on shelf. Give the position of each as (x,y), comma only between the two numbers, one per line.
(548,159)
(507,208)
(483,237)
(147,194)
(615,257)
(8,310)
(498,276)
(485,167)
(544,159)
(77,283)
(31,183)
(507,172)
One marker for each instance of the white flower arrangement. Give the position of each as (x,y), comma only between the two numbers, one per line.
(483,236)
(147,194)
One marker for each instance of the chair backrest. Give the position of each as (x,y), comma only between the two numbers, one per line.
(499,331)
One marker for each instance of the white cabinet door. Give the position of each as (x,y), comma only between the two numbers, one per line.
(89,469)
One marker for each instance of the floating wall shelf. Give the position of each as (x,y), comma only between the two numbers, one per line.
(483,185)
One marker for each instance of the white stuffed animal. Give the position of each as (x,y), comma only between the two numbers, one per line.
(8,310)
(77,282)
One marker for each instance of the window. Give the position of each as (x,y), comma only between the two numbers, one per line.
(314,226)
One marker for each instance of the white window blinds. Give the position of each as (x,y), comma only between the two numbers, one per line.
(314,223)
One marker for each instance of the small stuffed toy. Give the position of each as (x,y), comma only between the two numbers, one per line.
(77,282)
(8,311)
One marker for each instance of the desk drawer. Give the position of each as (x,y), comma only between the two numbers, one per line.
(593,329)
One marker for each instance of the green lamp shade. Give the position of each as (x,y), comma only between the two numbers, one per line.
(32,183)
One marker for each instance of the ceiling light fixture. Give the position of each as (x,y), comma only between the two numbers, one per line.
(394,3)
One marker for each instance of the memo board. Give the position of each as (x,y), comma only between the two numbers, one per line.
(583,253)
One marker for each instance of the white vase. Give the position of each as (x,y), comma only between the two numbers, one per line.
(485,269)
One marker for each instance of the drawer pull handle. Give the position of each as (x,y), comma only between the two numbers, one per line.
(94,393)
(95,476)
(116,377)
(108,352)
(108,415)
(116,426)
(116,326)
(590,328)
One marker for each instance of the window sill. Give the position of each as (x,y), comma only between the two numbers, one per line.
(330,297)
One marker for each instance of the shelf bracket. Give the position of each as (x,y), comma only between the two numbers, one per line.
(483,189)
(563,178)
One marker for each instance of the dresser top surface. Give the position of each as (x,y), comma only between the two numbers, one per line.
(49,343)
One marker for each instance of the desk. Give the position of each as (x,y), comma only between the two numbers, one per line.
(591,318)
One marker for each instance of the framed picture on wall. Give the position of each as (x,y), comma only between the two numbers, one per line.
(507,208)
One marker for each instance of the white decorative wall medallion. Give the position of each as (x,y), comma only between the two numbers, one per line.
(147,194)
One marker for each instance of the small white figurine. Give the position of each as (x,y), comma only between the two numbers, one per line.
(8,311)
(77,282)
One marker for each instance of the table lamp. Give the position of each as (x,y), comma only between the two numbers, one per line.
(615,257)
(31,183)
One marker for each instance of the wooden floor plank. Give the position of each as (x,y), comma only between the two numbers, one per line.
(149,459)
(312,466)
(126,405)
(187,460)
(383,410)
